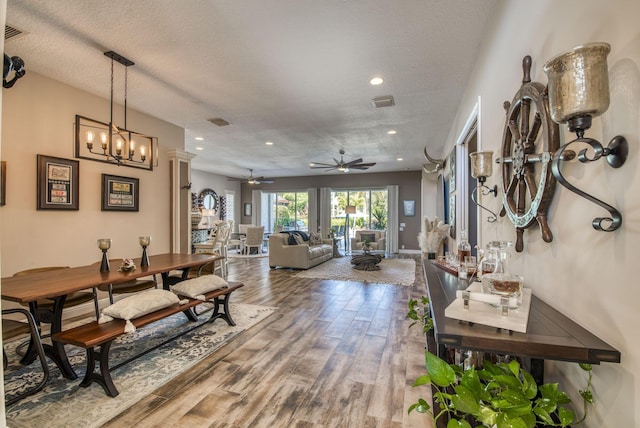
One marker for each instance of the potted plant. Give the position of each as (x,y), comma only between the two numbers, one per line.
(497,395)
(366,246)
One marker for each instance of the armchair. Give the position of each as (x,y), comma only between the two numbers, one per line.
(376,239)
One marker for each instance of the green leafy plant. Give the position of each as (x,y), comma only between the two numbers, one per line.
(501,395)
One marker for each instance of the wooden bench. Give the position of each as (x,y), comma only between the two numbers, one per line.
(97,338)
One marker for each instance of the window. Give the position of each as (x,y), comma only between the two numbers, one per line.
(370,211)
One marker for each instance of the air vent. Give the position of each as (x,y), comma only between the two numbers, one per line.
(385,101)
(219,121)
(11,32)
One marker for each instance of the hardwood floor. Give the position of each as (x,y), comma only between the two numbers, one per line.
(335,354)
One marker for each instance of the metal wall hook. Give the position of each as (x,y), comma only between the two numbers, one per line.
(486,190)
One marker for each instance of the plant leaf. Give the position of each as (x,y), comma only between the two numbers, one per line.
(465,401)
(453,423)
(440,372)
(422,380)
(566,416)
(421,406)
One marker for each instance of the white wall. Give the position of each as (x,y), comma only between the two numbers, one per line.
(38,116)
(588,275)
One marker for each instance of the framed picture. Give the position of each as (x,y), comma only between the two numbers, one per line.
(3,182)
(452,216)
(120,193)
(452,170)
(409,208)
(247,210)
(57,183)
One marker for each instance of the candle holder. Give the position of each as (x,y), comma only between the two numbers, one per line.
(104,244)
(144,243)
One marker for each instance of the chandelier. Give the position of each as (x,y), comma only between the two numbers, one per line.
(106,142)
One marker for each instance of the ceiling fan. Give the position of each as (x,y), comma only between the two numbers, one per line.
(251,179)
(341,165)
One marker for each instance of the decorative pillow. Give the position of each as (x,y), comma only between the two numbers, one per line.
(304,235)
(299,239)
(138,305)
(292,239)
(368,236)
(197,287)
(315,238)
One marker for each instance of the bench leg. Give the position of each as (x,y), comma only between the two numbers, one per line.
(225,315)
(104,377)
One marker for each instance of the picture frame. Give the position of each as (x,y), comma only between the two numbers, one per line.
(409,208)
(120,193)
(57,183)
(452,170)
(3,183)
(452,216)
(247,210)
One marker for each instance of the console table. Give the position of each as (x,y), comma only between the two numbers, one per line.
(550,334)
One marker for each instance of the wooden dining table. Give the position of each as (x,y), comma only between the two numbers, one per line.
(57,284)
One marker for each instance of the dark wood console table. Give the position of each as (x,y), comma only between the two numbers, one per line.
(550,334)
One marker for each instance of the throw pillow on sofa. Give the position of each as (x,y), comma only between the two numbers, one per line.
(315,239)
(371,237)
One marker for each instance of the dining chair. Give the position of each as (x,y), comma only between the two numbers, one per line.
(254,239)
(127,287)
(12,328)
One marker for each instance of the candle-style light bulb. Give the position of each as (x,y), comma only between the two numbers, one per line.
(142,153)
(119,146)
(90,136)
(103,140)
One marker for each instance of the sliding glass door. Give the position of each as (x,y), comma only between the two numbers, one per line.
(353,210)
(287,211)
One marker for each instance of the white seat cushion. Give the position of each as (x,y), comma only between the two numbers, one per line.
(138,305)
(197,287)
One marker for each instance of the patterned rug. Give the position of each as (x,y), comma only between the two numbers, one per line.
(392,271)
(63,403)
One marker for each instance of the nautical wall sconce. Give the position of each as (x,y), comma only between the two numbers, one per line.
(578,91)
(106,142)
(481,168)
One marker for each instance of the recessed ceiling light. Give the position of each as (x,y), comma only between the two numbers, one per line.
(399,159)
(391,132)
(269,143)
(199,148)
(376,81)
(199,139)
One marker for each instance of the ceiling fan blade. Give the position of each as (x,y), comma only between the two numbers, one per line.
(317,166)
(353,162)
(267,181)
(366,164)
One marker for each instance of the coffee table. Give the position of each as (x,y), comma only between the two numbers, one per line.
(367,261)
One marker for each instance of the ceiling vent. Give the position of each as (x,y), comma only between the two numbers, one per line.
(11,32)
(384,101)
(219,121)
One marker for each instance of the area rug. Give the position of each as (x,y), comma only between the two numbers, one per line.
(392,271)
(62,403)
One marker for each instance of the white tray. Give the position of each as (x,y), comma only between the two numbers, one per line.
(484,313)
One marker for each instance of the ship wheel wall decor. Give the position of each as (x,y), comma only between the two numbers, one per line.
(529,141)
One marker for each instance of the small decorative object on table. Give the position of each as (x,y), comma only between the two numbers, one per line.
(104,244)
(127,265)
(144,243)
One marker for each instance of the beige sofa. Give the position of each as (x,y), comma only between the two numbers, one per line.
(377,243)
(300,256)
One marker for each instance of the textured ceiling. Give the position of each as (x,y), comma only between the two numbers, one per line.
(295,73)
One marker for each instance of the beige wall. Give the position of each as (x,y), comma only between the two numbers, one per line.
(409,188)
(588,275)
(38,117)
